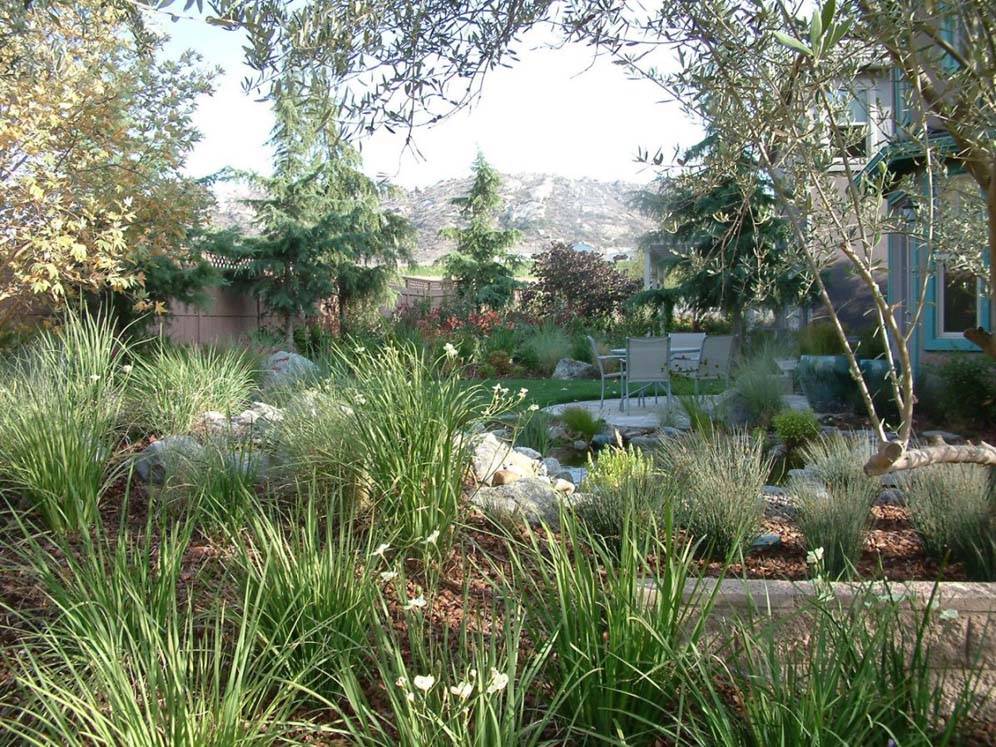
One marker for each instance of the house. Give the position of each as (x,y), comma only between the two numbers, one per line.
(955,299)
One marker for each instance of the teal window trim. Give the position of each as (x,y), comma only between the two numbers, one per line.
(932,337)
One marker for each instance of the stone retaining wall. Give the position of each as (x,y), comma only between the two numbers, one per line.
(961,635)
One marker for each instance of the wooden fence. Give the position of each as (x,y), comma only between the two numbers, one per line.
(230,314)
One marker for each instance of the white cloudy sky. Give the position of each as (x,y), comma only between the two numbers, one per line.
(554,112)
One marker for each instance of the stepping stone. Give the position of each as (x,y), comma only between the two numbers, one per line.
(766,542)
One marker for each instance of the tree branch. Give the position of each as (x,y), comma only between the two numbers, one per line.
(892,457)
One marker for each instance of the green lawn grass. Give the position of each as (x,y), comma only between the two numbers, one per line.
(544,392)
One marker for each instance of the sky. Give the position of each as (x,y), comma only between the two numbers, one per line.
(556,111)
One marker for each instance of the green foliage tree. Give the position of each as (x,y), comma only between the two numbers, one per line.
(322,232)
(481,265)
(729,249)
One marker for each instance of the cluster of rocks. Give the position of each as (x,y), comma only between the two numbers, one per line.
(518,481)
(238,442)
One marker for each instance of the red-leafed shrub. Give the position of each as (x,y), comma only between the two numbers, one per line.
(572,285)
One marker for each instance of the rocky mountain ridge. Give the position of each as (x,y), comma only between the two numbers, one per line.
(544,207)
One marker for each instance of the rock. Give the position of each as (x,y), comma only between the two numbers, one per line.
(568,368)
(552,466)
(601,440)
(669,431)
(531,499)
(556,432)
(891,497)
(645,443)
(766,542)
(564,486)
(504,477)
(803,474)
(488,455)
(580,445)
(527,452)
(166,457)
(257,420)
(778,504)
(573,474)
(210,424)
(285,368)
(248,463)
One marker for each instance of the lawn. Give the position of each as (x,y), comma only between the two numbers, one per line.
(544,392)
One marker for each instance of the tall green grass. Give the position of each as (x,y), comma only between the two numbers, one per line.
(172,386)
(123,662)
(312,575)
(620,627)
(408,440)
(758,391)
(835,673)
(59,406)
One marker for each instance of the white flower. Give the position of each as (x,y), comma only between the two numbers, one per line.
(94,377)
(381,549)
(533,408)
(463,690)
(360,399)
(951,614)
(523,392)
(361,349)
(499,681)
(388,575)
(424,683)
(451,352)
(127,368)
(814,556)
(400,682)
(431,539)
(416,603)
(497,388)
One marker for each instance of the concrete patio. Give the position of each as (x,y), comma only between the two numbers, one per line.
(652,415)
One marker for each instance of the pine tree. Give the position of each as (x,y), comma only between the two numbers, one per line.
(481,265)
(322,230)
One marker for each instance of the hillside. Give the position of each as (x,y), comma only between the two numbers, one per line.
(545,208)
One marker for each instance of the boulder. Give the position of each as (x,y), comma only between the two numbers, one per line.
(568,368)
(166,457)
(552,466)
(504,477)
(942,437)
(488,455)
(891,497)
(645,443)
(211,424)
(285,368)
(564,486)
(257,419)
(531,499)
(527,452)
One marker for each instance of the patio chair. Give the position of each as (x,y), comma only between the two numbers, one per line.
(648,364)
(601,360)
(715,360)
(682,363)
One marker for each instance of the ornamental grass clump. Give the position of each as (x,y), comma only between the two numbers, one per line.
(623,623)
(835,500)
(409,435)
(841,673)
(758,391)
(579,421)
(122,661)
(953,507)
(172,386)
(310,573)
(620,484)
(717,485)
(59,407)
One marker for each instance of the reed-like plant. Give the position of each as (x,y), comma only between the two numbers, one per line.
(312,576)
(835,500)
(953,508)
(409,431)
(174,385)
(717,484)
(758,391)
(580,422)
(123,662)
(467,689)
(622,625)
(59,407)
(834,674)
(533,431)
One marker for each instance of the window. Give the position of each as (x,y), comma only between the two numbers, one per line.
(854,122)
(957,302)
